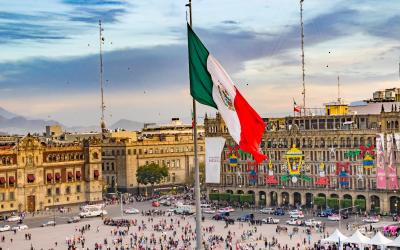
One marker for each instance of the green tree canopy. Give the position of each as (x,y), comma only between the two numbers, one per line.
(151,174)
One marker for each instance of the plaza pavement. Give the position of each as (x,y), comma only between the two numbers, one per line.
(45,238)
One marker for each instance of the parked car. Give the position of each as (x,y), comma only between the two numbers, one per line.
(270,220)
(5,228)
(371,219)
(298,214)
(267,210)
(247,217)
(220,216)
(334,217)
(74,219)
(279,212)
(226,210)
(205,206)
(14,218)
(131,211)
(209,211)
(325,213)
(49,223)
(312,222)
(19,227)
(155,204)
(294,222)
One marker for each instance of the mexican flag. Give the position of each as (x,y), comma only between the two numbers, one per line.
(212,86)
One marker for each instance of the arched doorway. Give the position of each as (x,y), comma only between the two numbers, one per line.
(375,204)
(347,201)
(285,198)
(240,192)
(229,191)
(262,199)
(360,203)
(394,204)
(296,199)
(274,198)
(309,200)
(334,196)
(320,200)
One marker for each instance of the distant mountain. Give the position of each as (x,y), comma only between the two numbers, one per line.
(127,125)
(7,114)
(21,125)
(15,124)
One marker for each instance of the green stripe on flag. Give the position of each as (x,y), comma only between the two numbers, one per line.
(201,84)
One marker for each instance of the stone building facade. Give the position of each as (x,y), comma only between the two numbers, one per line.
(323,140)
(35,175)
(167,146)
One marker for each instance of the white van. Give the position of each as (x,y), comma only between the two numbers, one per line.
(92,213)
(184,209)
(205,206)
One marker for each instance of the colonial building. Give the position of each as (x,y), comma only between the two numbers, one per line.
(170,145)
(332,146)
(35,175)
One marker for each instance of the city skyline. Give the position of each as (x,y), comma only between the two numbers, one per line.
(49,55)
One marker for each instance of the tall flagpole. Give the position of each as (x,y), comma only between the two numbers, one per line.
(302,57)
(102,122)
(199,242)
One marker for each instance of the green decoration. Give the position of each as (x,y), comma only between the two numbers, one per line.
(285,177)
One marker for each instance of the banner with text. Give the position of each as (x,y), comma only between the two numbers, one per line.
(214,147)
(380,162)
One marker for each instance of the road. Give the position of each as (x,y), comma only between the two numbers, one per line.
(115,211)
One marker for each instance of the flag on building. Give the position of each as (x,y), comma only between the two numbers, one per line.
(212,86)
(296,108)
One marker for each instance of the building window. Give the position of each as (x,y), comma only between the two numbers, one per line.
(11,196)
(68,190)
(78,189)
(78,175)
(77,197)
(173,177)
(129,152)
(31,178)
(70,176)
(49,192)
(134,151)
(96,174)
(57,191)
(58,177)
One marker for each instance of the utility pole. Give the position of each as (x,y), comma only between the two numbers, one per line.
(197,194)
(101,40)
(302,57)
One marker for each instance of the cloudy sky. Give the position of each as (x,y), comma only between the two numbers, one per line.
(49,54)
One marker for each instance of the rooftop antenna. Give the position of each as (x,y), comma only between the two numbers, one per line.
(302,57)
(338,89)
(102,122)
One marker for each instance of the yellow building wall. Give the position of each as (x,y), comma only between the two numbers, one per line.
(336,109)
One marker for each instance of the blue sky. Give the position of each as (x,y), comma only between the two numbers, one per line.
(49,54)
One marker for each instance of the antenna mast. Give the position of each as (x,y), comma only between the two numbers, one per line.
(302,57)
(338,89)
(102,122)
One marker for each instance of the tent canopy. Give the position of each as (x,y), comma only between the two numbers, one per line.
(395,242)
(357,238)
(335,237)
(379,240)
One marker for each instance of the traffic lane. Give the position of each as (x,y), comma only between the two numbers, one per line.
(113,210)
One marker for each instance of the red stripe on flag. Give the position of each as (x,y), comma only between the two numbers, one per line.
(252,127)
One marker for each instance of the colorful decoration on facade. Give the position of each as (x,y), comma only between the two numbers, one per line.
(270,177)
(295,165)
(369,150)
(253,177)
(342,170)
(352,153)
(368,161)
(323,179)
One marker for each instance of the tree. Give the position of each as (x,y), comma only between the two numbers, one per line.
(151,174)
